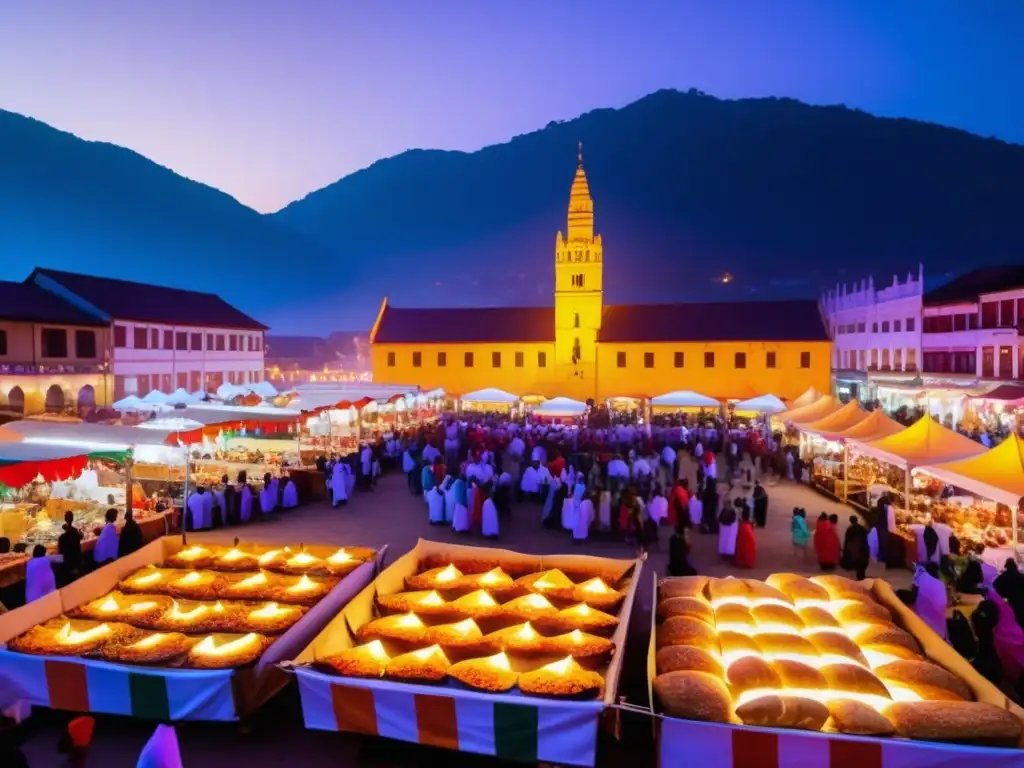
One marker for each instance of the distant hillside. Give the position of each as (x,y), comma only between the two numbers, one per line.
(785,196)
(89,206)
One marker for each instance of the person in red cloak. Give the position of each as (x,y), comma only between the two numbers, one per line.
(826,543)
(746,545)
(679,508)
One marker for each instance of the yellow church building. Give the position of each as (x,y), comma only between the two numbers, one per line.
(583,349)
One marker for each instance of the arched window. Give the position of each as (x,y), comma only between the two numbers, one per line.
(576,354)
(576,320)
(578,280)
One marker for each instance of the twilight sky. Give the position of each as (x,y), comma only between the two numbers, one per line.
(268,100)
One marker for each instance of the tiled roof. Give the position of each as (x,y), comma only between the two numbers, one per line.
(798,320)
(31,304)
(125,300)
(466,325)
(976,282)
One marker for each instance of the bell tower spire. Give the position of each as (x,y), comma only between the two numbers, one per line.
(581,205)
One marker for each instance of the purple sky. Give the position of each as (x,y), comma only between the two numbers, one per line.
(269,100)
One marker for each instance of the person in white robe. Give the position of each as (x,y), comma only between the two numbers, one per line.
(569,510)
(727,533)
(339,487)
(196,505)
(350,478)
(584,519)
(696,510)
(657,507)
(39,578)
(604,511)
(460,514)
(291,495)
(489,516)
(435,505)
(366,465)
(245,503)
(530,482)
(931,598)
(641,468)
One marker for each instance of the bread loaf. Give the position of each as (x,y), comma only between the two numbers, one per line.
(799,590)
(682,586)
(758,590)
(751,673)
(882,653)
(691,607)
(779,643)
(837,644)
(780,580)
(858,719)
(720,589)
(817,618)
(681,630)
(954,721)
(836,584)
(796,674)
(886,633)
(694,696)
(853,678)
(731,613)
(913,673)
(922,691)
(683,658)
(864,612)
(777,614)
(784,712)
(735,643)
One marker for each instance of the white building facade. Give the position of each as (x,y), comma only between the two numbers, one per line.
(876,333)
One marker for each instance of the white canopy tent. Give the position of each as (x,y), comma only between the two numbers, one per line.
(130,403)
(179,396)
(155,397)
(207,414)
(762,404)
(490,395)
(265,389)
(560,406)
(684,398)
(87,436)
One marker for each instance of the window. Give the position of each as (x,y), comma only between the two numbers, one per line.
(987,362)
(896,325)
(154,339)
(874,327)
(252,343)
(54,342)
(141,338)
(648,359)
(741,360)
(769,359)
(897,359)
(1006,318)
(576,320)
(959,322)
(197,342)
(805,359)
(709,359)
(577,280)
(168,339)
(679,359)
(861,327)
(182,381)
(85,344)
(120,336)
(990,314)
(911,363)
(519,360)
(417,359)
(209,341)
(467,359)
(910,323)
(1005,363)
(3,342)
(220,342)
(143,383)
(181,340)
(442,359)
(620,359)
(862,359)
(885,326)
(496,359)
(391,359)
(232,343)
(542,359)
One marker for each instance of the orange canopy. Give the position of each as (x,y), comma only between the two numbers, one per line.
(876,426)
(924,442)
(808,397)
(847,416)
(819,409)
(997,474)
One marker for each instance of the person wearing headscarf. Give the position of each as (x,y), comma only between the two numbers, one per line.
(801,535)
(366,465)
(69,547)
(229,502)
(339,487)
(746,544)
(679,504)
(728,527)
(161,751)
(489,525)
(856,556)
(657,507)
(760,497)
(930,598)
(130,538)
(826,543)
(290,500)
(709,520)
(556,495)
(435,505)
(106,546)
(245,500)
(196,506)
(427,480)
(584,516)
(460,499)
(679,553)
(1010,586)
(604,510)
(1008,639)
(39,578)
(696,508)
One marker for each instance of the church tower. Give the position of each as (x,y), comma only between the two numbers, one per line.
(578,293)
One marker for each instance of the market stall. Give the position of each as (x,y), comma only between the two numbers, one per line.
(684,399)
(477,650)
(491,399)
(996,475)
(763,404)
(560,408)
(810,396)
(806,414)
(175,632)
(815,672)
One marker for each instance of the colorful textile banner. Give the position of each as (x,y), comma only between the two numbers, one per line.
(686,743)
(507,726)
(86,685)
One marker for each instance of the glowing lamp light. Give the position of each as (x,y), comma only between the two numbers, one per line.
(433,599)
(192,553)
(465,627)
(150,641)
(68,636)
(536,601)
(269,611)
(576,637)
(146,605)
(340,557)
(176,614)
(499,661)
(525,633)
(553,579)
(145,581)
(232,555)
(410,620)
(302,560)
(451,573)
(110,605)
(495,577)
(218,608)
(375,650)
(580,610)
(253,581)
(479,598)
(192,577)
(595,586)
(269,556)
(424,654)
(305,584)
(562,668)
(208,646)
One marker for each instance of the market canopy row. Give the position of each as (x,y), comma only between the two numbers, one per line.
(997,474)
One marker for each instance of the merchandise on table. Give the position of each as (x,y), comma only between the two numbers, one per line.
(484,634)
(95,646)
(821,654)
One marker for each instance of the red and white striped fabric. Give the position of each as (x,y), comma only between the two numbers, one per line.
(509,727)
(686,743)
(86,685)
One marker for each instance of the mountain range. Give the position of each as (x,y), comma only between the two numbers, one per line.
(786,197)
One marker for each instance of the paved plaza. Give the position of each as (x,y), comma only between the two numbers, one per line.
(391,515)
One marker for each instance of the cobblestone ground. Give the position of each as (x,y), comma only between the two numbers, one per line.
(391,515)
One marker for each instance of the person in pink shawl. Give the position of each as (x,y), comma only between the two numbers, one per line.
(1008,639)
